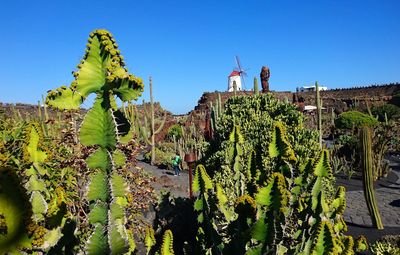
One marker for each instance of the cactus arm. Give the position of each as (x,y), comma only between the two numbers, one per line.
(161,124)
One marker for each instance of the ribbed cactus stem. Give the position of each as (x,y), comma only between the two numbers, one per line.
(333,116)
(234,87)
(153,148)
(216,110)
(319,113)
(256,91)
(219,105)
(368,177)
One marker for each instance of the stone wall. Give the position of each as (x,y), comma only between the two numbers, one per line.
(339,99)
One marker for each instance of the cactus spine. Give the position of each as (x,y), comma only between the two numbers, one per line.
(256,91)
(368,177)
(319,113)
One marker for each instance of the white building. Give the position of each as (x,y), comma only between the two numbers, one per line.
(310,88)
(234,76)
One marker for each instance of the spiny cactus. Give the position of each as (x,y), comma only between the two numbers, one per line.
(102,71)
(167,247)
(208,237)
(149,240)
(279,146)
(274,199)
(35,186)
(368,177)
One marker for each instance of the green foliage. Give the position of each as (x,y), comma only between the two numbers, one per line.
(392,112)
(384,248)
(354,120)
(175,131)
(163,157)
(361,244)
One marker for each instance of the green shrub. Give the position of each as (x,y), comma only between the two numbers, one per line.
(163,158)
(174,130)
(392,112)
(354,119)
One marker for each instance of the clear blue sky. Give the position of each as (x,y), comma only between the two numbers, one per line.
(189,46)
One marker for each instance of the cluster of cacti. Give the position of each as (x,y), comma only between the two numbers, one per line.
(291,213)
(191,141)
(215,110)
(368,176)
(102,71)
(255,117)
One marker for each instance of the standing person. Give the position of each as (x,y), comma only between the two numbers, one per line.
(176,164)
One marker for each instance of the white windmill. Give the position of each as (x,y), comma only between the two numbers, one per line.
(237,76)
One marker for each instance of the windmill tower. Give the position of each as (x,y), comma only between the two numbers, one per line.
(237,76)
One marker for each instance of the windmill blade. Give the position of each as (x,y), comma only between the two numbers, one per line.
(244,84)
(238,63)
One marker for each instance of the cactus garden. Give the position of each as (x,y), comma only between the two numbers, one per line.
(102,166)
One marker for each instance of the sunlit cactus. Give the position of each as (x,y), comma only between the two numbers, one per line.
(368,177)
(102,71)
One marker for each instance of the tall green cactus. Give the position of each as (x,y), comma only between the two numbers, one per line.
(368,176)
(102,71)
(274,199)
(205,206)
(256,90)
(36,187)
(151,132)
(319,113)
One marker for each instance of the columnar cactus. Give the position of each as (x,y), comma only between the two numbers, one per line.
(256,91)
(151,132)
(368,177)
(319,113)
(102,71)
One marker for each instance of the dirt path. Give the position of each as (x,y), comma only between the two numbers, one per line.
(178,186)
